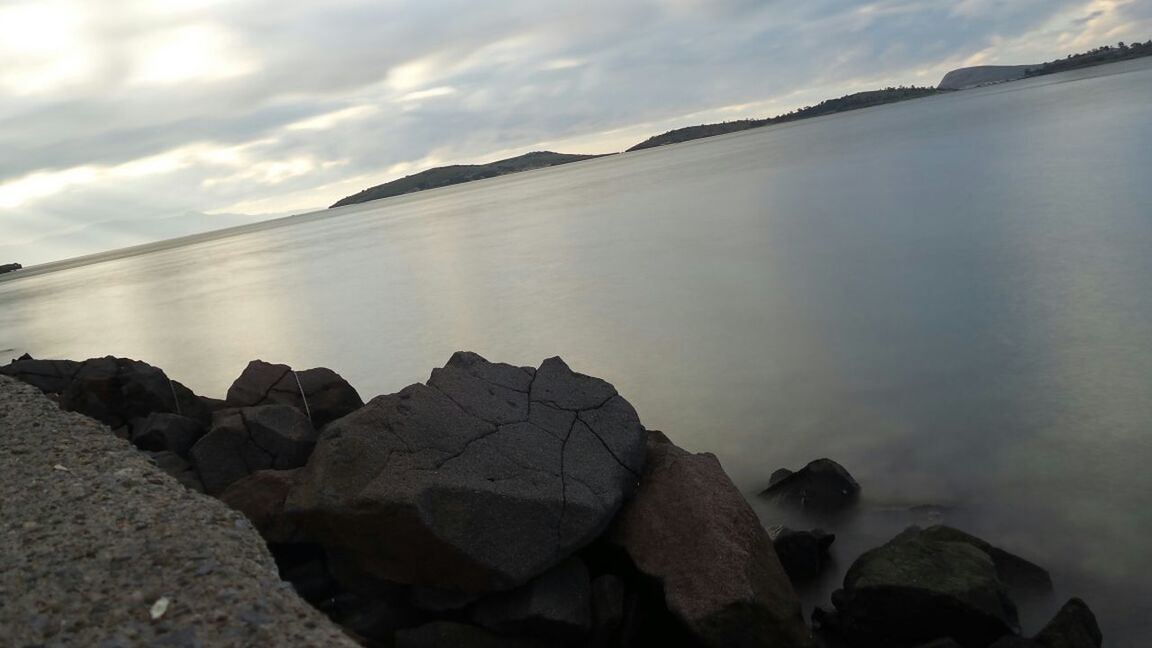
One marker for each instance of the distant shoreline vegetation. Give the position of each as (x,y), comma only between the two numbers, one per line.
(1099,56)
(846,103)
(456,174)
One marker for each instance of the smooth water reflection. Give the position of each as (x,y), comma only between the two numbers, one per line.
(951,296)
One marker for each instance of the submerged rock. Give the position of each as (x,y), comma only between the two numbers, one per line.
(478,481)
(322,394)
(803,554)
(823,486)
(913,590)
(690,528)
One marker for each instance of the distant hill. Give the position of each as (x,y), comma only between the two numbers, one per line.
(973,77)
(830,106)
(458,173)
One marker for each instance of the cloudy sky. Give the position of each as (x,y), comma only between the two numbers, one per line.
(123,121)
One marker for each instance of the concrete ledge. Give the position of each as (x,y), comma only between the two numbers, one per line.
(92,536)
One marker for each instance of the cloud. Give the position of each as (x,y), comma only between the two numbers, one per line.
(148,109)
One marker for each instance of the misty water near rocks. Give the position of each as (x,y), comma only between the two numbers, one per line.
(949,296)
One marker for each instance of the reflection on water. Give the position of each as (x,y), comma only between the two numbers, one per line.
(950,296)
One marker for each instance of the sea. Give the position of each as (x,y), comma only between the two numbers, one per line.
(951,296)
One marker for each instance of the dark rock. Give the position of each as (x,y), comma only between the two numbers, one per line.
(320,393)
(607,609)
(941,643)
(178,467)
(49,376)
(449,634)
(1012,641)
(479,481)
(555,605)
(242,441)
(779,476)
(373,618)
(166,432)
(823,486)
(689,527)
(305,567)
(1074,626)
(10,267)
(913,590)
(260,497)
(1015,572)
(435,599)
(116,391)
(214,404)
(803,554)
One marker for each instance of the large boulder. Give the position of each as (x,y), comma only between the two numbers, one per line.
(161,432)
(49,376)
(478,481)
(260,497)
(690,528)
(823,486)
(1015,572)
(320,393)
(555,605)
(450,634)
(913,590)
(242,441)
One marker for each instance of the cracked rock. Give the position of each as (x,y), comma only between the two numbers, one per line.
(242,441)
(479,480)
(320,393)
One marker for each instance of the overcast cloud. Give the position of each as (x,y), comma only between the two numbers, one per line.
(123,121)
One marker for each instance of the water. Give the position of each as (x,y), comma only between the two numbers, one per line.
(951,297)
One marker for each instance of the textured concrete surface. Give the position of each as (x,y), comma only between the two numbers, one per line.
(94,540)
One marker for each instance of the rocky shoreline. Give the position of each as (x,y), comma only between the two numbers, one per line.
(495,505)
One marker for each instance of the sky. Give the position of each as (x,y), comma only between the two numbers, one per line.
(127,121)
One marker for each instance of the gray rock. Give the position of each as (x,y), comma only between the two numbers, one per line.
(555,605)
(178,467)
(823,486)
(1015,572)
(322,394)
(478,481)
(690,528)
(912,590)
(162,431)
(242,441)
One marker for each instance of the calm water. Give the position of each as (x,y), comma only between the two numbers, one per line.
(952,297)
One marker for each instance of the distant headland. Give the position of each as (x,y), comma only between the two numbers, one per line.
(10,267)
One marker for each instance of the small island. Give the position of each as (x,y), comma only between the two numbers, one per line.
(10,267)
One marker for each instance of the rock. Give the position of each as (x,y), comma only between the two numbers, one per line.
(555,605)
(10,267)
(823,486)
(115,391)
(689,527)
(913,590)
(607,609)
(779,475)
(1015,572)
(449,634)
(242,441)
(803,554)
(373,618)
(941,643)
(178,467)
(166,432)
(320,393)
(260,497)
(435,599)
(478,481)
(1074,626)
(49,376)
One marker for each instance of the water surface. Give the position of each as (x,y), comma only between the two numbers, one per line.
(950,296)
